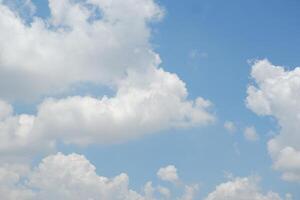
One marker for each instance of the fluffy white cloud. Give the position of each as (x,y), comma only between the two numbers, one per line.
(250,133)
(81,41)
(168,173)
(276,93)
(72,177)
(143,104)
(241,189)
(288,161)
(230,126)
(17,141)
(88,41)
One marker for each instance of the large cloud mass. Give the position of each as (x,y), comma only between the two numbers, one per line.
(277,94)
(81,41)
(90,41)
(143,104)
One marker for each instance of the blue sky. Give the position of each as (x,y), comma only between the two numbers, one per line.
(211,46)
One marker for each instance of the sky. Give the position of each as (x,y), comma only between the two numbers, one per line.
(149,100)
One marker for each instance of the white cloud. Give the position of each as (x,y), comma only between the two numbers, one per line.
(143,104)
(73,177)
(74,45)
(17,141)
(168,173)
(250,133)
(288,161)
(276,93)
(241,189)
(230,126)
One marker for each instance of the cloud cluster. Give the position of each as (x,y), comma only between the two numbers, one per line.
(276,93)
(143,104)
(73,177)
(88,41)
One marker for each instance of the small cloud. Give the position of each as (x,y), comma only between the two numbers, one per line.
(250,133)
(230,126)
(168,173)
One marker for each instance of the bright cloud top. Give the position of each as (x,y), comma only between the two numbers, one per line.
(276,93)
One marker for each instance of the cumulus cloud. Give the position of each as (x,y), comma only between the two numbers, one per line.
(230,126)
(81,41)
(251,134)
(168,173)
(79,179)
(143,104)
(276,93)
(17,141)
(88,41)
(246,188)
(72,177)
(288,161)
